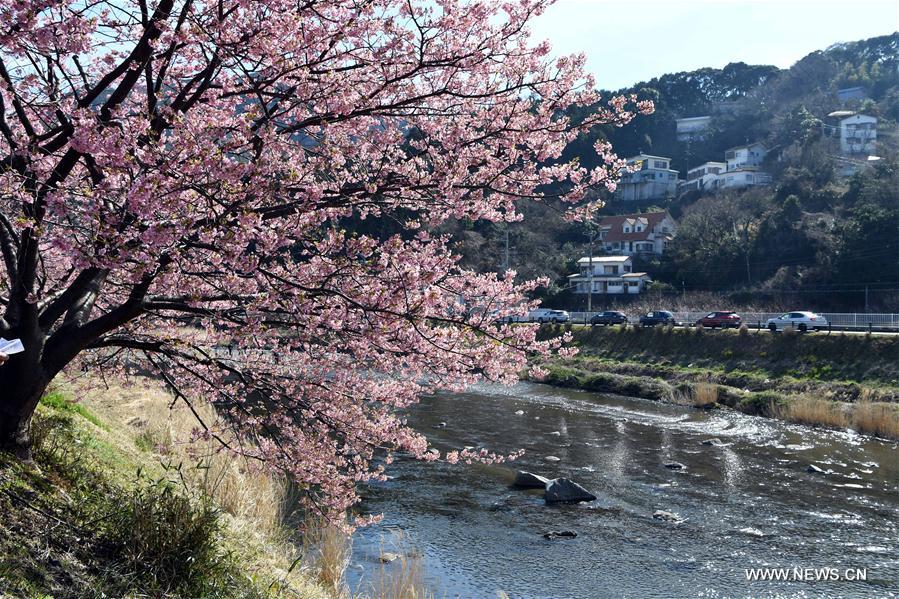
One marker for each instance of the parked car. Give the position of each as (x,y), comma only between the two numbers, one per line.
(651,319)
(547,315)
(608,318)
(722,318)
(801,321)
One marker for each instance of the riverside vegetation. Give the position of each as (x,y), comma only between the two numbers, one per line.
(842,381)
(137,510)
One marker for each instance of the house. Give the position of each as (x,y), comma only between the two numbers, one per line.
(651,179)
(851,93)
(631,234)
(705,177)
(693,128)
(858,134)
(745,157)
(611,275)
(743,164)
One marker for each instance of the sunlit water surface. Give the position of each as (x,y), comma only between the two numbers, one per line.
(746,504)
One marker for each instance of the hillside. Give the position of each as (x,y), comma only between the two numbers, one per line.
(814,231)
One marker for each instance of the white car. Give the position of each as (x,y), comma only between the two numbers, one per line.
(547,315)
(801,321)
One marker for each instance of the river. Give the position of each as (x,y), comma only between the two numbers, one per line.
(748,503)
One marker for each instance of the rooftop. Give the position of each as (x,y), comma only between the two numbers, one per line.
(604,259)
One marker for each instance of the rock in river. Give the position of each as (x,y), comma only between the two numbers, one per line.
(555,534)
(667,516)
(527,480)
(716,441)
(563,490)
(552,458)
(387,557)
(812,469)
(674,466)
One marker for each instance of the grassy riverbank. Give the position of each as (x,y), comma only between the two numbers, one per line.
(837,380)
(115,505)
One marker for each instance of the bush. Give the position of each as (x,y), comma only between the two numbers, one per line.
(760,404)
(744,330)
(169,542)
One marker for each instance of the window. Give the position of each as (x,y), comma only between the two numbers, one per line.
(627,268)
(627,229)
(662,164)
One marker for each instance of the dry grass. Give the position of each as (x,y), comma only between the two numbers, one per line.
(329,549)
(813,411)
(705,395)
(402,578)
(876,418)
(867,417)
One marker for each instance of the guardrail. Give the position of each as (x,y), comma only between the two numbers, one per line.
(850,321)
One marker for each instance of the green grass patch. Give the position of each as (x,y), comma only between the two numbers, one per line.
(59,402)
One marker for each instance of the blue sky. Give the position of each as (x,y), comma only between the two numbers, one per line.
(627,41)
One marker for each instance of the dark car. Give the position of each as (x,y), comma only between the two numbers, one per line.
(608,318)
(724,319)
(651,319)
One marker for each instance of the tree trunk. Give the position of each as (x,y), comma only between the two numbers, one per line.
(20,391)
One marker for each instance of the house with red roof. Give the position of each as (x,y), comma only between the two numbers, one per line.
(633,234)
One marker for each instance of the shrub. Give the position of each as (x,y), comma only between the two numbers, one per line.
(727,353)
(168,542)
(744,330)
(762,403)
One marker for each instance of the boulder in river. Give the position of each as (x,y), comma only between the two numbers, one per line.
(674,466)
(528,480)
(519,413)
(812,469)
(387,557)
(552,458)
(667,516)
(563,490)
(716,442)
(555,534)
(439,425)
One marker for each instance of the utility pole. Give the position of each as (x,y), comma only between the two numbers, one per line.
(866,298)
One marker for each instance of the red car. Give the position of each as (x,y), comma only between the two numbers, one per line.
(721,319)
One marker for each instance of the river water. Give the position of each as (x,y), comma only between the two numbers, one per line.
(748,503)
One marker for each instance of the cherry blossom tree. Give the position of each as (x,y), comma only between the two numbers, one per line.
(185,186)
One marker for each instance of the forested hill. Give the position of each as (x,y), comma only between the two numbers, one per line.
(811,230)
(748,102)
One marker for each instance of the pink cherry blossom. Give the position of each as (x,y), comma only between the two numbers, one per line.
(236,197)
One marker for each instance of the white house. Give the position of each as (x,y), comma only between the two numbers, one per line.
(693,128)
(705,177)
(651,179)
(631,234)
(858,134)
(745,157)
(612,275)
(743,167)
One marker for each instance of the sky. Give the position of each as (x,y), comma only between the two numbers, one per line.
(627,41)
